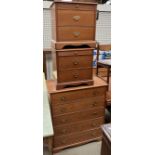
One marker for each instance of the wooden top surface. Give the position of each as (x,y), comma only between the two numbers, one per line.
(77,1)
(51,85)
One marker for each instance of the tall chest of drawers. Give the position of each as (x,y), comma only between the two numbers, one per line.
(77,113)
(73,41)
(73,23)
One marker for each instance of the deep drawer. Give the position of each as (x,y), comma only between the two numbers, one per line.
(75,138)
(61,108)
(78,127)
(74,75)
(75,33)
(76,18)
(78,116)
(75,62)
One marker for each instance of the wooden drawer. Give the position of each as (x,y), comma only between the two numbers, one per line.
(64,97)
(75,52)
(78,127)
(76,6)
(59,109)
(76,138)
(75,33)
(78,116)
(76,18)
(75,62)
(74,75)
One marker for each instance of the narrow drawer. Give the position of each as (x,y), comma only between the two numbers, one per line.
(69,96)
(75,62)
(75,33)
(75,52)
(76,18)
(76,6)
(78,116)
(74,75)
(78,127)
(76,138)
(59,109)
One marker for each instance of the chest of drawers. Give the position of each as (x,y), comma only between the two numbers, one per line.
(73,23)
(77,113)
(74,66)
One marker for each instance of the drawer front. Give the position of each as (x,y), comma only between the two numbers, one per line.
(78,127)
(59,109)
(75,52)
(76,18)
(75,138)
(69,96)
(75,62)
(76,6)
(75,33)
(74,75)
(78,116)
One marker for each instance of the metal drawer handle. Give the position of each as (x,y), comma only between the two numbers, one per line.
(94,124)
(94,104)
(75,62)
(95,93)
(76,76)
(77,6)
(63,141)
(76,18)
(63,120)
(63,98)
(76,34)
(64,131)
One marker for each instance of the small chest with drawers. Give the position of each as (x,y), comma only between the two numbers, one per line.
(77,113)
(74,66)
(73,22)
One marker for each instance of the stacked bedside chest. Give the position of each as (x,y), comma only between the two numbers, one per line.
(77,113)
(73,41)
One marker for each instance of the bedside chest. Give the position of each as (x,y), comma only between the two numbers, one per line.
(77,113)
(74,66)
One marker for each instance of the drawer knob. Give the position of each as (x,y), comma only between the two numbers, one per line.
(76,18)
(75,76)
(93,134)
(94,104)
(63,121)
(76,34)
(94,124)
(75,62)
(95,93)
(77,6)
(94,113)
(63,141)
(64,131)
(63,98)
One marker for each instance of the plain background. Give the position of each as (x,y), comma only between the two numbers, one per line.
(133,79)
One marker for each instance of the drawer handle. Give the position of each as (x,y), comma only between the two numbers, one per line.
(76,76)
(76,34)
(63,141)
(95,93)
(64,131)
(63,121)
(76,18)
(77,6)
(94,124)
(75,62)
(63,98)
(93,134)
(94,104)
(94,113)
